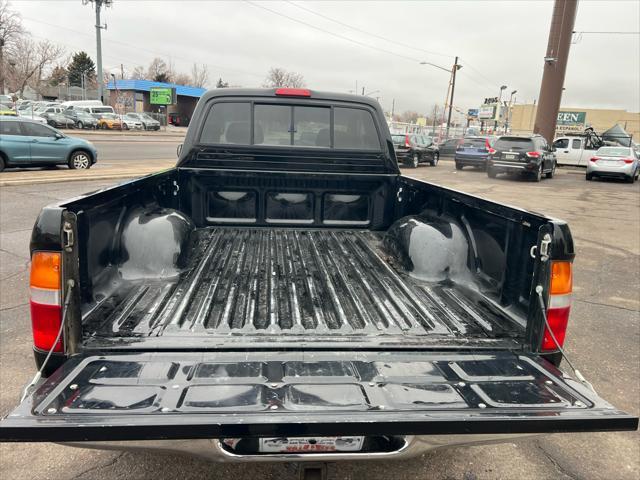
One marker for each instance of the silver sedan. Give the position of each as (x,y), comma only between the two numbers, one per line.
(615,162)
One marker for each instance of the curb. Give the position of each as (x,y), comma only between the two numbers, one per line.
(106,176)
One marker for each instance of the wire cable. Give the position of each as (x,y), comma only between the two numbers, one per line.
(313,12)
(328,32)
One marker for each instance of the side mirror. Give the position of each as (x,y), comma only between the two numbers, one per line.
(553,149)
(58,136)
(179,150)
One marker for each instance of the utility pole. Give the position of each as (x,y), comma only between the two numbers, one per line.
(555,67)
(98,5)
(121,71)
(393,107)
(455,68)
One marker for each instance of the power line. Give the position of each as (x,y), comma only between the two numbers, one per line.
(328,32)
(608,33)
(161,54)
(368,33)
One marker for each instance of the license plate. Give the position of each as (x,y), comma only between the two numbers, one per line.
(311,444)
(510,157)
(611,163)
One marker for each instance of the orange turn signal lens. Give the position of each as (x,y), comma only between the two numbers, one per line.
(45,270)
(561,278)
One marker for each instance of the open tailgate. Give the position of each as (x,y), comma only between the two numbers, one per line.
(252,394)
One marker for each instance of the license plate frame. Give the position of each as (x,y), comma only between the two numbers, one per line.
(311,444)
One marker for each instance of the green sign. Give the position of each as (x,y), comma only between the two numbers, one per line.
(572,118)
(161,96)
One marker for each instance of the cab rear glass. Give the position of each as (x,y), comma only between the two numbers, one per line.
(270,124)
(514,143)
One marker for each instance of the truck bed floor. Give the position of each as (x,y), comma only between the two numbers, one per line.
(292,282)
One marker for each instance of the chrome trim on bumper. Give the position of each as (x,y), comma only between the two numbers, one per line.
(212,449)
(507,165)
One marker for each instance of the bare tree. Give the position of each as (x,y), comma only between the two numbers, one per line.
(182,79)
(409,116)
(199,75)
(31,61)
(158,71)
(279,77)
(10,32)
(138,73)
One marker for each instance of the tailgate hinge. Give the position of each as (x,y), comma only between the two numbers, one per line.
(67,236)
(544,248)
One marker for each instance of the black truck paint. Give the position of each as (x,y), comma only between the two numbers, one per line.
(259,290)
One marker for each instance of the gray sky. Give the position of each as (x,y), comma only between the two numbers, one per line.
(498,42)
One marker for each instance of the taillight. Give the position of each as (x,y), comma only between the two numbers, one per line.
(628,160)
(407,142)
(45,301)
(491,150)
(594,159)
(533,154)
(560,288)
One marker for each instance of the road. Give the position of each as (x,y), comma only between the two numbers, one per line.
(603,340)
(116,151)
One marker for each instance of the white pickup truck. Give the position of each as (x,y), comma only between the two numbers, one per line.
(573,150)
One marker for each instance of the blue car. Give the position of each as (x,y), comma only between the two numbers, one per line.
(26,143)
(474,152)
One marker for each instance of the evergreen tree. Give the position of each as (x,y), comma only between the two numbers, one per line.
(81,62)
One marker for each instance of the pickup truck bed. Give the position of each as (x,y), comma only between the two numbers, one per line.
(295,282)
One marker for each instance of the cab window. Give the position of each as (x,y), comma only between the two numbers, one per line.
(561,143)
(576,144)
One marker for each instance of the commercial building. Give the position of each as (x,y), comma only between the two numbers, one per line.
(574,120)
(134,96)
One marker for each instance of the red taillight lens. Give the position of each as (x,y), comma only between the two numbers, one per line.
(491,150)
(533,154)
(594,159)
(45,301)
(560,288)
(45,321)
(628,160)
(293,92)
(407,142)
(558,319)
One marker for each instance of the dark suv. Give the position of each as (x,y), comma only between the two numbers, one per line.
(413,149)
(529,155)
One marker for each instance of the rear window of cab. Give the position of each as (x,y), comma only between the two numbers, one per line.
(269,124)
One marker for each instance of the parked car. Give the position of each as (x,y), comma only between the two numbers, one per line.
(528,155)
(81,118)
(58,120)
(614,162)
(148,122)
(263,290)
(26,143)
(109,121)
(129,123)
(573,150)
(448,147)
(7,110)
(474,152)
(413,149)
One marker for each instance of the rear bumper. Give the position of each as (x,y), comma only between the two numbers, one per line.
(500,166)
(214,450)
(468,160)
(611,171)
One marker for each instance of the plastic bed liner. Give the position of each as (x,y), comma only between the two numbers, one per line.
(293,283)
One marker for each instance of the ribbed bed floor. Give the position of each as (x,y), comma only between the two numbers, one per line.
(295,282)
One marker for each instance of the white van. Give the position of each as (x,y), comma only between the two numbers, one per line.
(74,104)
(96,111)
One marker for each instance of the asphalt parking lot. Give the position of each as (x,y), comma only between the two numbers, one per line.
(603,340)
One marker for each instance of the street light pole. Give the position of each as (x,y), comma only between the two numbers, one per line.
(454,69)
(508,122)
(498,108)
